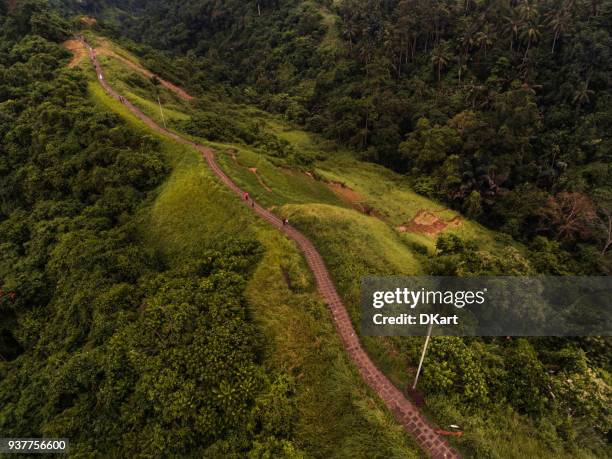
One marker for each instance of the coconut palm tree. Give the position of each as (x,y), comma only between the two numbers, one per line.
(528,11)
(558,21)
(466,43)
(484,38)
(513,27)
(582,95)
(440,57)
(350,31)
(530,34)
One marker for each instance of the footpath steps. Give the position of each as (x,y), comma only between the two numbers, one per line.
(408,415)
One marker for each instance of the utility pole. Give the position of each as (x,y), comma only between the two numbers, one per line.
(416,379)
(161,111)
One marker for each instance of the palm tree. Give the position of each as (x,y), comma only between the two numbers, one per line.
(513,26)
(528,11)
(466,43)
(582,95)
(558,21)
(441,57)
(350,31)
(531,34)
(484,38)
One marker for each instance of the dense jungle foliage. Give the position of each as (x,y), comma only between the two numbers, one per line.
(499,108)
(101,340)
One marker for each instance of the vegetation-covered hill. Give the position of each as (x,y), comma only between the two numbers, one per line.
(143,311)
(499,108)
(124,254)
(344,203)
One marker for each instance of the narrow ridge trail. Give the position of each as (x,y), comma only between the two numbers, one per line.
(405,412)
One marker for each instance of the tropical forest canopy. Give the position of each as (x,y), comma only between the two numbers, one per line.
(499,108)
(102,341)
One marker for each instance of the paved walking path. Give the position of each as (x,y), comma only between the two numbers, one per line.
(406,413)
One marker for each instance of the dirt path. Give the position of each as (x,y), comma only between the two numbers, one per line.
(79,48)
(405,412)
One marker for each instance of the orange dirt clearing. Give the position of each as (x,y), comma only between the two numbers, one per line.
(425,222)
(78,49)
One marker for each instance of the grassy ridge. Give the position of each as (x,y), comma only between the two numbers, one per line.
(338,416)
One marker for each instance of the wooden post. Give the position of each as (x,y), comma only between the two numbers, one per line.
(162,112)
(416,379)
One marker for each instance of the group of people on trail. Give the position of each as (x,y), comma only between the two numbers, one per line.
(247,198)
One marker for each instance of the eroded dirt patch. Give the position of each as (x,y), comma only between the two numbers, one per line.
(426,222)
(88,20)
(347,194)
(259,179)
(77,49)
(354,199)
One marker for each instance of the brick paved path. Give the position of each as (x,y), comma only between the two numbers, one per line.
(406,413)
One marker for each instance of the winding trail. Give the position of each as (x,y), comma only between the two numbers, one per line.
(406,413)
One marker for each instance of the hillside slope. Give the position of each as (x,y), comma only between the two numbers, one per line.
(356,196)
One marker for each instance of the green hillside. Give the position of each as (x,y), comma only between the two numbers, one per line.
(359,216)
(146,312)
(329,405)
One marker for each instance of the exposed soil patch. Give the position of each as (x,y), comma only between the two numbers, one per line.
(425,222)
(261,182)
(78,49)
(88,20)
(354,199)
(104,48)
(347,194)
(455,222)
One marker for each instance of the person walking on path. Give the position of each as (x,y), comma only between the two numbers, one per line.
(246,196)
